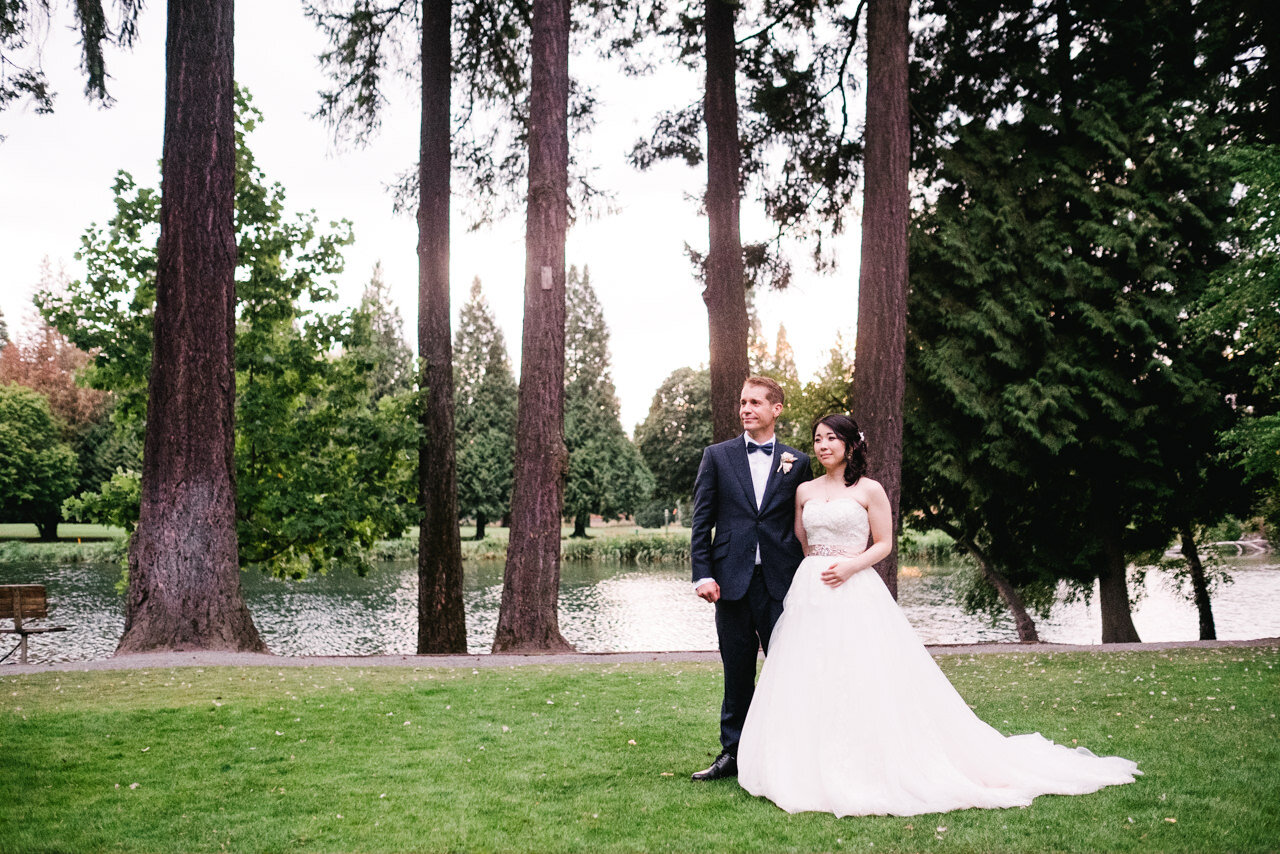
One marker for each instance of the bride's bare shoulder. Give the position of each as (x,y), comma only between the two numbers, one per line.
(872,487)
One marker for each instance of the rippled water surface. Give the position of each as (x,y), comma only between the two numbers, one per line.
(603,607)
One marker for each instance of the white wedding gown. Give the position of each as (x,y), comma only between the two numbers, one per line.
(853,717)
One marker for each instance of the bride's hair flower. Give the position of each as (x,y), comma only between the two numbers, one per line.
(787,459)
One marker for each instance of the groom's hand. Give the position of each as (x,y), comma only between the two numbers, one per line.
(709,591)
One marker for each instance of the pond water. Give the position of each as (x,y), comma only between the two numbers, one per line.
(604,607)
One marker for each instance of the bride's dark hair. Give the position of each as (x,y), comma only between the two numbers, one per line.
(855,446)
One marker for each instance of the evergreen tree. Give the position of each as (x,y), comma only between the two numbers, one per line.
(1240,314)
(4,332)
(528,618)
(606,474)
(486,413)
(22,28)
(184,579)
(783,365)
(1065,240)
(387,351)
(830,391)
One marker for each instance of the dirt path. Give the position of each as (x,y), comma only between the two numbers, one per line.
(205,658)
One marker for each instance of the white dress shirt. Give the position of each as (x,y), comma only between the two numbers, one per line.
(760,464)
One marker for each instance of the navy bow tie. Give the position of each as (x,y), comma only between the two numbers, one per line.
(766,448)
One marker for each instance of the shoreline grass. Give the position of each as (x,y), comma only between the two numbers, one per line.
(596,758)
(618,542)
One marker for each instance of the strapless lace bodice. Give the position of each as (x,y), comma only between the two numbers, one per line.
(836,527)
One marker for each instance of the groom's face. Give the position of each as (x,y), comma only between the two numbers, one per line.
(756,411)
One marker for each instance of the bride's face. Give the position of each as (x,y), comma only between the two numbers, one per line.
(828,447)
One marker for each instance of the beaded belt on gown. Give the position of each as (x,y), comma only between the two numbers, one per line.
(842,551)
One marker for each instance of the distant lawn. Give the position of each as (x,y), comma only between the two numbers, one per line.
(67,532)
(588,758)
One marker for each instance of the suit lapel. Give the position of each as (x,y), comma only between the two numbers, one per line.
(738,459)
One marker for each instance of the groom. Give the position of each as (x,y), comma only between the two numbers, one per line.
(745,492)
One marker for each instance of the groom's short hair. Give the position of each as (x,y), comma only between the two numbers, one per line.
(773,391)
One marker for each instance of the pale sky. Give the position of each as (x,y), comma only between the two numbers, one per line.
(56,173)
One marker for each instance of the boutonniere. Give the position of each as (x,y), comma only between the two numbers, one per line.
(787,459)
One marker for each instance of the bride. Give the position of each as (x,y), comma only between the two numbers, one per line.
(851,715)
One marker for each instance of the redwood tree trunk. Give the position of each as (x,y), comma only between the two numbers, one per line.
(1113,591)
(879,378)
(725,293)
(184,570)
(1199,584)
(528,620)
(442,625)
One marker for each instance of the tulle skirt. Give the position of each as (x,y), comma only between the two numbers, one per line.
(852,716)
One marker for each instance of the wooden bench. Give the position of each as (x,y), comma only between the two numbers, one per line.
(20,602)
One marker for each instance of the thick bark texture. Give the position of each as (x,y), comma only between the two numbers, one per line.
(1199,584)
(442,625)
(725,294)
(879,378)
(1113,590)
(528,620)
(184,572)
(1026,627)
(1022,621)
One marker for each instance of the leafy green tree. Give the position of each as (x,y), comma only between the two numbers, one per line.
(37,467)
(606,474)
(486,413)
(322,447)
(674,433)
(46,362)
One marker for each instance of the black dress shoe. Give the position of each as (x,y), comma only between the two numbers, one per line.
(726,765)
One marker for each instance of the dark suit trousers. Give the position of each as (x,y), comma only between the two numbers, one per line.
(743,627)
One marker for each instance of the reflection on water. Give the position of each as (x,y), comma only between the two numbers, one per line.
(603,607)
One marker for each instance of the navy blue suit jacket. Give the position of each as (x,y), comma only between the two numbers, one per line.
(724,502)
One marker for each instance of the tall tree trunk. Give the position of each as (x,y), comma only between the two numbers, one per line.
(1199,584)
(580,523)
(879,378)
(481,519)
(184,569)
(442,625)
(1113,591)
(725,293)
(528,620)
(1025,626)
(47,526)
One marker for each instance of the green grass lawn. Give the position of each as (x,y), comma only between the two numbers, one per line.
(596,758)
